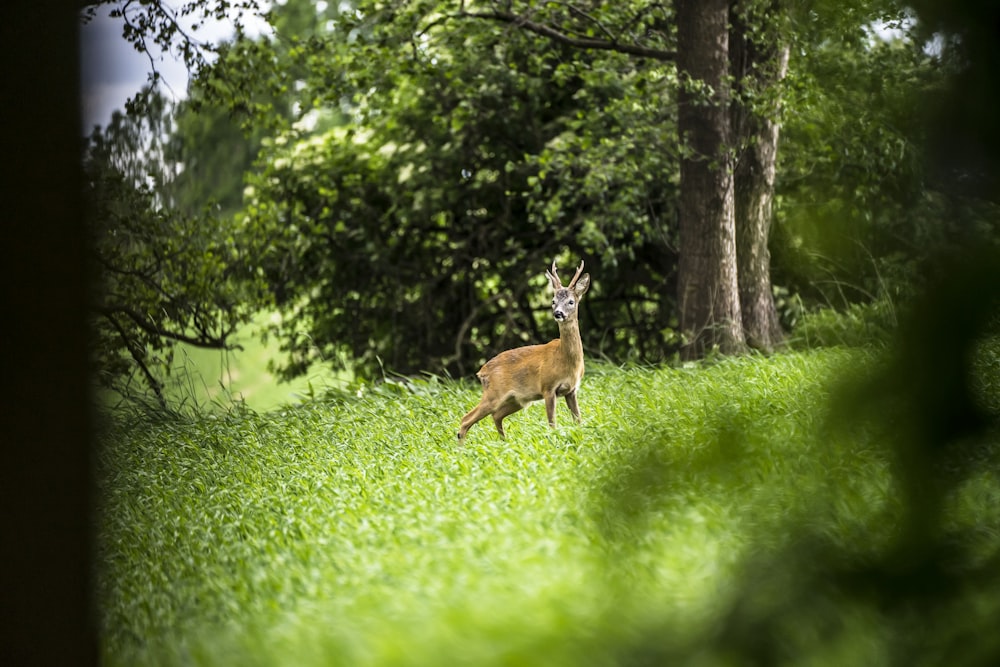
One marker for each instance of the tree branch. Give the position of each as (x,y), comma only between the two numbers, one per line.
(137,356)
(573,9)
(560,37)
(208,342)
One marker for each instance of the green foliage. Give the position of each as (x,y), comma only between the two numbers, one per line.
(860,200)
(162,275)
(420,231)
(419,164)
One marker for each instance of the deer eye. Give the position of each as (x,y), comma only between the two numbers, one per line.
(571,302)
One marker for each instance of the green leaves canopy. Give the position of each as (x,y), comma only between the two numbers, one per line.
(426,161)
(420,229)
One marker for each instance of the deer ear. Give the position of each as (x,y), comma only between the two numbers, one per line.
(582,285)
(553,281)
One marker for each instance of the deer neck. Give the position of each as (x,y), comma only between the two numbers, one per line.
(569,334)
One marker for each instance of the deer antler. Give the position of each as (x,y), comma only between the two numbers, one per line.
(554,276)
(576,276)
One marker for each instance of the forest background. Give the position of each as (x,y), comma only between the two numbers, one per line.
(389,180)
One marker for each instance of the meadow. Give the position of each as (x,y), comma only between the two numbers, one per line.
(719,513)
(201,378)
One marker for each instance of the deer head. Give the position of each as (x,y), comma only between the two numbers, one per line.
(566,299)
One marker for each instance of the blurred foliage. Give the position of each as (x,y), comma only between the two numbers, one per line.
(862,199)
(927,584)
(964,140)
(913,578)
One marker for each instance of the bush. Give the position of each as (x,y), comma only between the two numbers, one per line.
(859,325)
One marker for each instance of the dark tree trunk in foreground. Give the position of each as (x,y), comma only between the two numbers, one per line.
(47,504)
(708,291)
(756,70)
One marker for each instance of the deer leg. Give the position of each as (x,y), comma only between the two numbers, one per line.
(474,416)
(503,411)
(550,408)
(574,407)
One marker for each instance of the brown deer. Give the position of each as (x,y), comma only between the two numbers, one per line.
(513,379)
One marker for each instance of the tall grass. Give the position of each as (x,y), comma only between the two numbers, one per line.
(355,530)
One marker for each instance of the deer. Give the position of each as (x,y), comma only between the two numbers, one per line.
(515,378)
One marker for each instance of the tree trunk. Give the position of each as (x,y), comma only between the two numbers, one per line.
(756,70)
(708,291)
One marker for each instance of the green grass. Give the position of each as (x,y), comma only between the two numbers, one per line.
(354,530)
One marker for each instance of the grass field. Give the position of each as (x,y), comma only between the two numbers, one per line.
(699,515)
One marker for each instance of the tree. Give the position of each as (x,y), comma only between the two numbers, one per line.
(163,275)
(758,56)
(636,31)
(711,313)
(708,290)
(758,61)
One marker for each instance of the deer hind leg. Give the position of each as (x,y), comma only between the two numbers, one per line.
(574,407)
(474,416)
(505,410)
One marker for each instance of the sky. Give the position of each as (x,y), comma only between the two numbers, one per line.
(112,71)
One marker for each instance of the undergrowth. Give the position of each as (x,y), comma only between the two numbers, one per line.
(858,325)
(354,530)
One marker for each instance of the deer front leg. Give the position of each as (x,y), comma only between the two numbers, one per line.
(574,407)
(550,408)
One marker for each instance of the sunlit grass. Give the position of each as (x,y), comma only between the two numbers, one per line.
(355,530)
